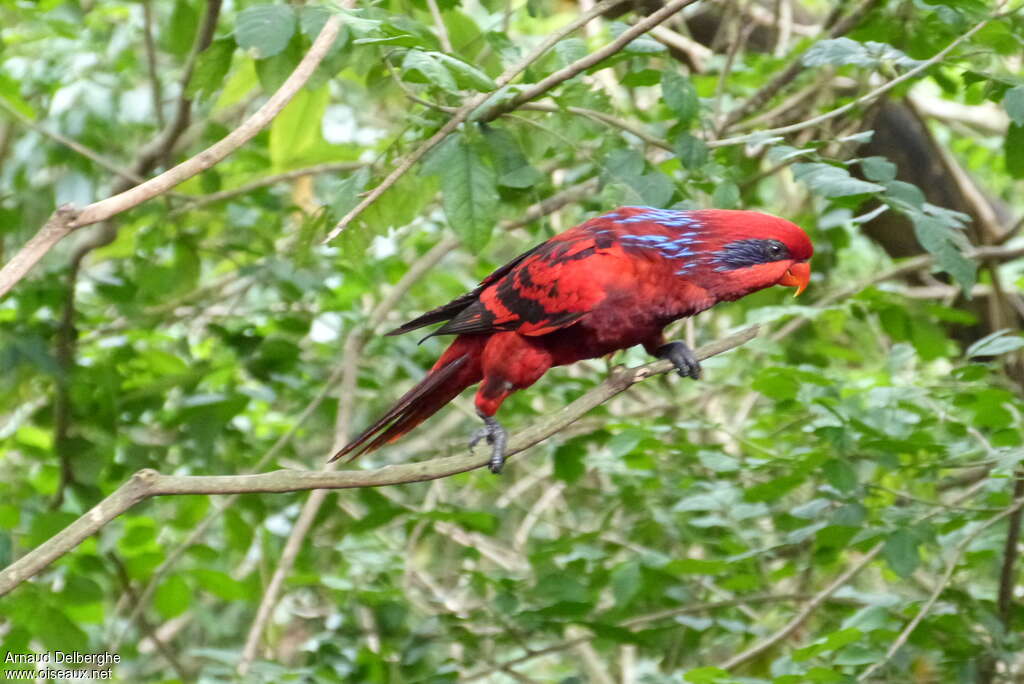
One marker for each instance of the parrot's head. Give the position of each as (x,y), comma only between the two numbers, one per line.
(746,251)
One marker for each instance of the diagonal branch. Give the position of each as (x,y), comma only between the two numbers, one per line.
(825,594)
(860,101)
(940,586)
(68,219)
(463,113)
(146,484)
(584,63)
(770,89)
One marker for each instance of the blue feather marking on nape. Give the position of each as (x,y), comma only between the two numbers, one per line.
(666,217)
(668,247)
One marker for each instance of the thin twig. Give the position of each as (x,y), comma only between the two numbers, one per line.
(696,52)
(328,167)
(804,613)
(641,620)
(584,63)
(1007,573)
(811,606)
(154,77)
(168,653)
(73,145)
(442,30)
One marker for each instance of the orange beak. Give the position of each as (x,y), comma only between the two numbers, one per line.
(798,275)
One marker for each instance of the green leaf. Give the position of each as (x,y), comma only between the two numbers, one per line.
(468,187)
(180,31)
(10,92)
(691,150)
(569,50)
(832,181)
(840,474)
(295,133)
(707,675)
(773,489)
(999,342)
(696,566)
(1013,150)
(726,195)
(424,68)
(513,169)
(220,584)
(568,459)
(211,67)
(626,582)
(832,642)
(466,75)
(900,552)
(273,71)
(904,196)
(680,96)
(878,169)
(843,51)
(937,238)
(1013,102)
(777,383)
(265,30)
(173,596)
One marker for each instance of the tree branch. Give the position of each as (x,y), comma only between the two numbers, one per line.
(1007,574)
(825,594)
(327,167)
(584,63)
(463,113)
(768,91)
(860,101)
(149,483)
(937,591)
(67,219)
(805,611)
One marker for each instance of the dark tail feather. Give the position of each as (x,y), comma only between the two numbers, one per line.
(441,385)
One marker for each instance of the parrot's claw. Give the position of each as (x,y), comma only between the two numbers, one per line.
(682,358)
(496,437)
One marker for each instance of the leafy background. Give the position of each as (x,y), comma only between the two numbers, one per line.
(852,469)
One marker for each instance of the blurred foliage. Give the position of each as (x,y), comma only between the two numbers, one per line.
(650,542)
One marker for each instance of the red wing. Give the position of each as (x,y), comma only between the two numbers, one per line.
(551,288)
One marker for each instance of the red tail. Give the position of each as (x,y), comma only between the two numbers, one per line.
(457,369)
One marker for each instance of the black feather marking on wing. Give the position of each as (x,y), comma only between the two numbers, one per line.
(441,313)
(473,319)
(459,304)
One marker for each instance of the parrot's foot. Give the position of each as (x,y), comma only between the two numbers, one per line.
(496,437)
(681,357)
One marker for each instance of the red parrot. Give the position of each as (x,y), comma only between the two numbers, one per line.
(610,283)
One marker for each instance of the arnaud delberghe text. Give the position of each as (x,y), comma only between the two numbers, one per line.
(64,657)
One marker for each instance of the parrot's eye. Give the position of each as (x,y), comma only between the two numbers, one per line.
(776,250)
